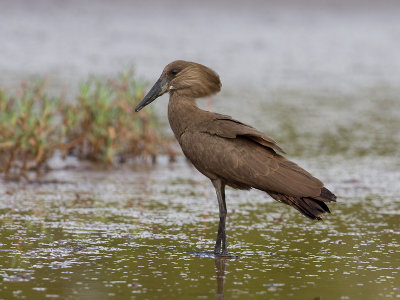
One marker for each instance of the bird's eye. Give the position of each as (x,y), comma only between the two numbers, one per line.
(174,71)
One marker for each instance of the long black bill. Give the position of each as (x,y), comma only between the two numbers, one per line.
(156,91)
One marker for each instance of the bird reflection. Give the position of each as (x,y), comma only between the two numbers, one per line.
(220,266)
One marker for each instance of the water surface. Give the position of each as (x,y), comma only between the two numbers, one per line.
(126,233)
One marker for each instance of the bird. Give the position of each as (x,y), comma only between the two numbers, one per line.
(229,152)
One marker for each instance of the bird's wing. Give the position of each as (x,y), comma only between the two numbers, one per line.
(239,161)
(227,127)
(244,164)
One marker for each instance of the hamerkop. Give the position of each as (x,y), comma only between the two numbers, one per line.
(230,152)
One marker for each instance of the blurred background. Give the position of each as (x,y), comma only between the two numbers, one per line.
(320,77)
(257,44)
(338,51)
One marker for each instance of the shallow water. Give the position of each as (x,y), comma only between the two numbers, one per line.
(126,233)
(321,79)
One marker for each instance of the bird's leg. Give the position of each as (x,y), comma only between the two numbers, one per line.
(221,236)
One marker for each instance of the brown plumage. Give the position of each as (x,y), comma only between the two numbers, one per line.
(230,152)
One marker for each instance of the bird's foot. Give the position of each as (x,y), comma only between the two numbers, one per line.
(213,254)
(225,254)
(202,253)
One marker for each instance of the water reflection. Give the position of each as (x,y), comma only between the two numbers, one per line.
(220,263)
(220,266)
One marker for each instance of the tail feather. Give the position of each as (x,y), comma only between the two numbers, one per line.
(307,208)
(326,195)
(316,207)
(311,207)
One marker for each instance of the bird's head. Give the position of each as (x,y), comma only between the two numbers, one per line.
(187,79)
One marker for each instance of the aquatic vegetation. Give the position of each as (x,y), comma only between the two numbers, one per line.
(97,125)
(29,133)
(100,124)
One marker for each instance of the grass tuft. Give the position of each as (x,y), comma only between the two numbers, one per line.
(98,125)
(29,133)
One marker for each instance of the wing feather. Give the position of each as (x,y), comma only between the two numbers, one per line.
(227,127)
(240,161)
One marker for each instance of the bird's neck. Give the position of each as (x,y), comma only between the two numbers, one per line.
(182,112)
